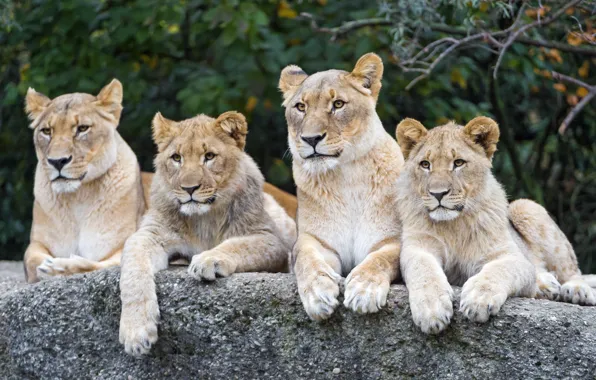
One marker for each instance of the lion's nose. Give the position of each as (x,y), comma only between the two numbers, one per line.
(191,189)
(439,194)
(313,140)
(59,163)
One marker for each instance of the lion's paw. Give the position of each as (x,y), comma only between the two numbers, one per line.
(53,267)
(480,299)
(319,294)
(547,286)
(578,292)
(211,264)
(138,327)
(432,311)
(366,292)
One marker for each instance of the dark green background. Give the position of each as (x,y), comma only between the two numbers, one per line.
(189,57)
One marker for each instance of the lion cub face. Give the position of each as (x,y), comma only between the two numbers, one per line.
(74,134)
(328,112)
(448,165)
(197,158)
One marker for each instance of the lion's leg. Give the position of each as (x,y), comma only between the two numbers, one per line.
(508,274)
(317,269)
(35,254)
(142,257)
(252,253)
(430,293)
(551,252)
(368,284)
(66,266)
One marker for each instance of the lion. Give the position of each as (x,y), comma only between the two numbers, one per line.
(458,229)
(345,166)
(88,185)
(207,205)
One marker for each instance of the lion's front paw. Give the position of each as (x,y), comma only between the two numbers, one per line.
(578,292)
(366,291)
(480,299)
(432,310)
(208,265)
(319,294)
(138,327)
(547,286)
(55,266)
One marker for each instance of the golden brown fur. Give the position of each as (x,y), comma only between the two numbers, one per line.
(344,166)
(457,227)
(88,192)
(208,206)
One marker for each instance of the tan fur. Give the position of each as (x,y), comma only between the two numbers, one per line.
(231,226)
(285,200)
(466,237)
(80,222)
(347,218)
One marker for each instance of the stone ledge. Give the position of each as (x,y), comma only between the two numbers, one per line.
(253,326)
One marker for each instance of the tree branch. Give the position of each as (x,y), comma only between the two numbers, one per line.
(579,106)
(346,27)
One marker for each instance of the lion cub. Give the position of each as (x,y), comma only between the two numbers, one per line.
(345,166)
(208,205)
(88,187)
(458,229)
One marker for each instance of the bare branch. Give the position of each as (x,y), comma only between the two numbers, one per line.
(579,106)
(575,110)
(510,40)
(346,27)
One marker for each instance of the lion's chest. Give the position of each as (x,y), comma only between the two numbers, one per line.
(356,218)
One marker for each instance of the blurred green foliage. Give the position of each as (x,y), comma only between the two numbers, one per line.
(186,57)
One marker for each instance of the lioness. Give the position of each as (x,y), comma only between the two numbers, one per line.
(458,229)
(88,188)
(345,167)
(208,205)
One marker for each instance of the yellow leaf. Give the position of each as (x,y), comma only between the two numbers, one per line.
(322,2)
(457,77)
(483,6)
(251,103)
(584,70)
(136,67)
(284,10)
(554,55)
(581,92)
(560,87)
(570,11)
(442,120)
(574,39)
(173,29)
(267,104)
(534,89)
(572,100)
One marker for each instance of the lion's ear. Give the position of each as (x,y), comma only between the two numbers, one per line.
(409,132)
(234,125)
(110,98)
(367,75)
(35,103)
(484,131)
(163,131)
(290,79)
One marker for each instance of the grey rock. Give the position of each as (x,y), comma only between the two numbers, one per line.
(252,326)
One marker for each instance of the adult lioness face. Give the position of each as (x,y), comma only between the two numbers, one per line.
(197,158)
(447,167)
(328,112)
(74,134)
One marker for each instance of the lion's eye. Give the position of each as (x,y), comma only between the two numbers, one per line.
(338,104)
(82,128)
(425,164)
(301,107)
(46,131)
(458,163)
(176,157)
(209,156)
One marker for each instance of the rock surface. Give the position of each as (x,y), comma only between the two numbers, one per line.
(252,326)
